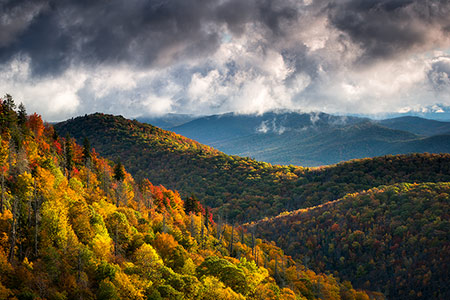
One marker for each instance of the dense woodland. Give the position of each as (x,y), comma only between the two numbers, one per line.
(242,189)
(76,226)
(395,239)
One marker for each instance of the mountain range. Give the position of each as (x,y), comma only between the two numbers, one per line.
(314,139)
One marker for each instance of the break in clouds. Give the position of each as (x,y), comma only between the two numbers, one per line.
(69,57)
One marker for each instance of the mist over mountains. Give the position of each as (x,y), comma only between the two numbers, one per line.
(312,139)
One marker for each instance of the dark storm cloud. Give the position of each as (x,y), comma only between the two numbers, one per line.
(142,33)
(14,19)
(59,33)
(389,28)
(93,32)
(237,13)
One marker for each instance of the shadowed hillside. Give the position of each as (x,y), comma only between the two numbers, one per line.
(392,238)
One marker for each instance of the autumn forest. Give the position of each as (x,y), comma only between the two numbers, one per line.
(101,207)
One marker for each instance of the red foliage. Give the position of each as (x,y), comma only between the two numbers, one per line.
(335,227)
(58,147)
(35,124)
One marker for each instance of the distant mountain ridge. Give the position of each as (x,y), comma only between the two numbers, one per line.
(230,125)
(417,125)
(314,139)
(167,121)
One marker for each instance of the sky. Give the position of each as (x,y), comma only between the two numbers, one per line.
(65,58)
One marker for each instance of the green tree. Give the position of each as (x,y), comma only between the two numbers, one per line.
(192,204)
(119,173)
(107,291)
(86,151)
(22,115)
(68,155)
(228,273)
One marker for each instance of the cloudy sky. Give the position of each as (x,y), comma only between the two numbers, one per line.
(65,58)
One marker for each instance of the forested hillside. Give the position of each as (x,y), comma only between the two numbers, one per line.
(76,226)
(393,238)
(242,189)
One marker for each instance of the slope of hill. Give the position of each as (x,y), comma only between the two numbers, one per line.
(392,238)
(240,188)
(74,227)
(417,125)
(313,139)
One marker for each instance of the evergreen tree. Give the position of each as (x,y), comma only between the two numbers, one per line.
(22,115)
(119,173)
(206,217)
(87,159)
(55,135)
(68,155)
(8,116)
(192,204)
(86,151)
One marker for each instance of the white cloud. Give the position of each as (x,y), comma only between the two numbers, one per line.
(262,128)
(106,80)
(54,97)
(203,89)
(158,105)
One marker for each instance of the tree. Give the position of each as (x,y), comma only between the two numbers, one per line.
(119,176)
(86,151)
(23,191)
(231,240)
(213,288)
(87,158)
(230,274)
(107,291)
(171,252)
(13,236)
(207,220)
(22,115)
(4,155)
(68,155)
(192,204)
(8,116)
(120,231)
(36,125)
(119,173)
(147,260)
